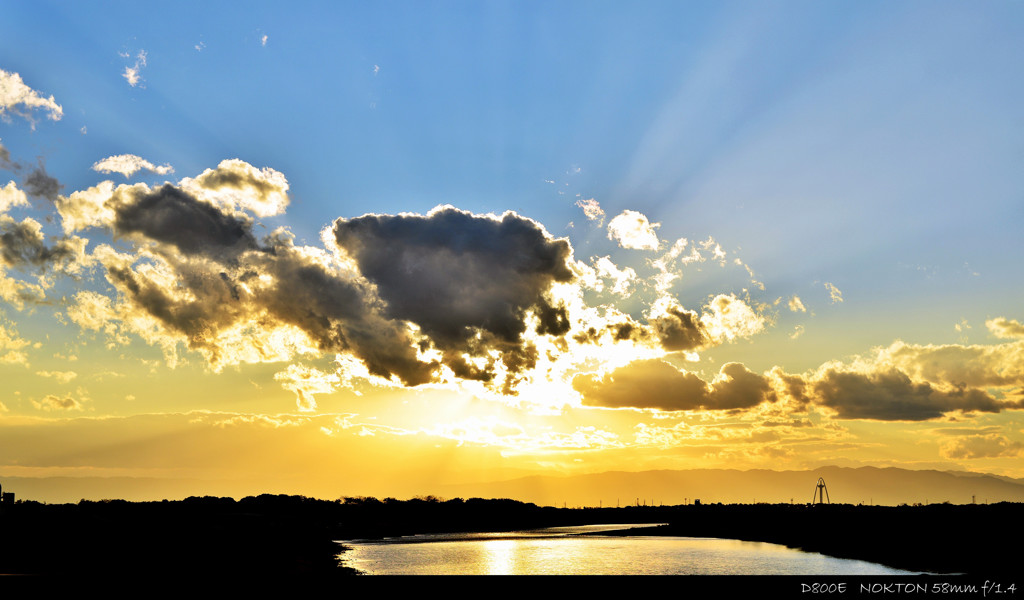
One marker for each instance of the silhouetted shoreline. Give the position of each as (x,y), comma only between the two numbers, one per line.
(291,536)
(937,538)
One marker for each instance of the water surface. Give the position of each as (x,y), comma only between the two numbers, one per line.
(564,551)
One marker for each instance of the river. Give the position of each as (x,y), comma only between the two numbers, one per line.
(566,551)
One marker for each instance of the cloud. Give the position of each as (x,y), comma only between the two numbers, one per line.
(990,445)
(466,281)
(132,73)
(172,216)
(238,187)
(621,279)
(1005,328)
(40,184)
(677,328)
(729,317)
(904,382)
(18,99)
(405,294)
(51,403)
(128,164)
(61,376)
(956,365)
(305,382)
(892,396)
(834,293)
(796,305)
(10,347)
(632,230)
(655,384)
(23,244)
(5,160)
(11,196)
(591,209)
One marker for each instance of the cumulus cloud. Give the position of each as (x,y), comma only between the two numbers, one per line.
(992,445)
(406,295)
(11,196)
(655,384)
(16,98)
(900,383)
(729,317)
(1005,328)
(23,244)
(621,279)
(796,305)
(956,365)
(129,164)
(631,229)
(892,396)
(11,346)
(905,382)
(466,281)
(677,328)
(238,187)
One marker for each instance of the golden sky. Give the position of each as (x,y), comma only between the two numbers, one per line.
(436,258)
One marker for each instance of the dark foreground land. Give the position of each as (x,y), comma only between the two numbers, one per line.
(287,536)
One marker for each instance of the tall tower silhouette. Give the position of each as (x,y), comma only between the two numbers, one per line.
(821,493)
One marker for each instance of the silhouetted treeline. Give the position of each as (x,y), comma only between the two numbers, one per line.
(293,535)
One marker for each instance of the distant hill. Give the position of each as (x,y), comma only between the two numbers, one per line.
(863,485)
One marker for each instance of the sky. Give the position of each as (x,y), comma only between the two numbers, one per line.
(366,248)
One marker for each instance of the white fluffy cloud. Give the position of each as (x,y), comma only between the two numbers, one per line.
(11,196)
(19,99)
(129,164)
(631,229)
(1005,328)
(11,347)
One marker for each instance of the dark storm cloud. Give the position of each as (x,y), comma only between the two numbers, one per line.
(40,184)
(172,216)
(657,384)
(740,388)
(680,329)
(24,244)
(893,396)
(466,281)
(338,314)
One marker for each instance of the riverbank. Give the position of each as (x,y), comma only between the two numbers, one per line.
(941,538)
(293,536)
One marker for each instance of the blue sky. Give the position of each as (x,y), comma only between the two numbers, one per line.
(863,158)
